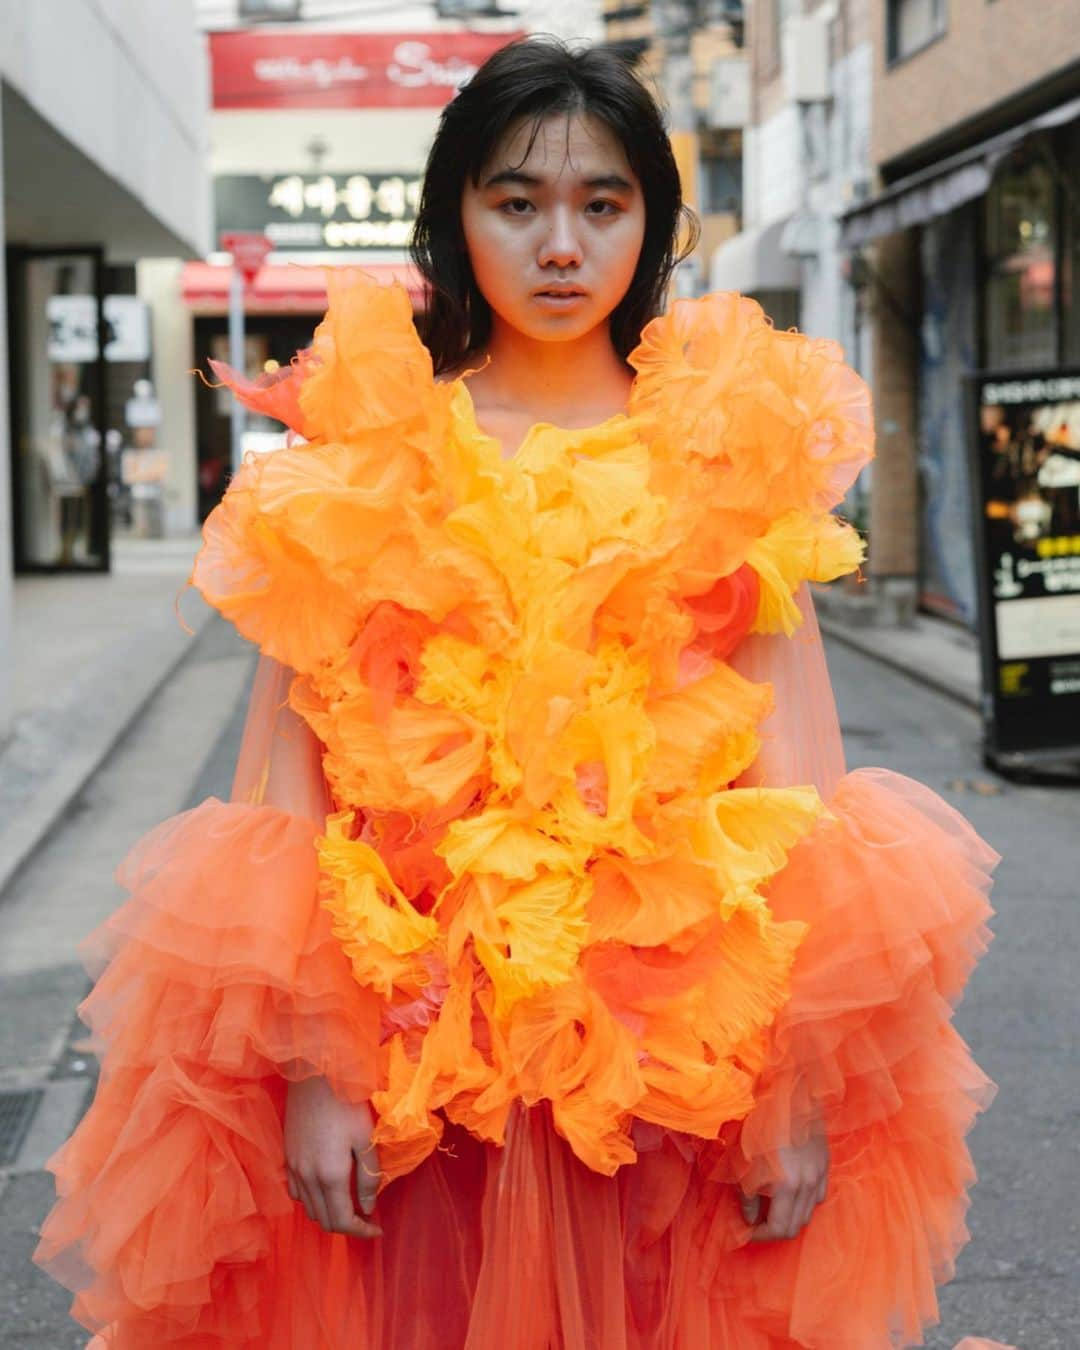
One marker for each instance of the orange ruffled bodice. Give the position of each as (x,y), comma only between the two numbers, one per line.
(537,859)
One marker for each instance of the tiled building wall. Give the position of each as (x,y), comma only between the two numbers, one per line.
(992,50)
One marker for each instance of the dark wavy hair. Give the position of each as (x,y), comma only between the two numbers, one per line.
(528,81)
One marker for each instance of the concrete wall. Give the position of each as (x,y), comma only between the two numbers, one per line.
(174,359)
(124,81)
(371,140)
(991,52)
(6,664)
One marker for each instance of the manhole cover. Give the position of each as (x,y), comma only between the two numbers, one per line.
(16,1112)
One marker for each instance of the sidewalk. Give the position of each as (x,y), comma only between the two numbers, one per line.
(930,651)
(89,651)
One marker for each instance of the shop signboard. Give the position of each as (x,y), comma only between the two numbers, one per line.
(320,212)
(253,69)
(73,328)
(1026,483)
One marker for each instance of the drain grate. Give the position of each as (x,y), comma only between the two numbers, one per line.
(16,1112)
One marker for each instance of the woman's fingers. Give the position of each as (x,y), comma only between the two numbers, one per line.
(790,1209)
(311,1199)
(337,1194)
(751,1207)
(804,1207)
(367,1177)
(778,1219)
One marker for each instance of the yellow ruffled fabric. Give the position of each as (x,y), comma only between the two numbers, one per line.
(517,669)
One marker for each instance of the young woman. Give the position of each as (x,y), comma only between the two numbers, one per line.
(547,984)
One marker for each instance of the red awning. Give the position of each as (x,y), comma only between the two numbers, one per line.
(281,289)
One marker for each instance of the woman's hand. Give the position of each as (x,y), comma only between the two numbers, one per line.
(324,1138)
(789,1204)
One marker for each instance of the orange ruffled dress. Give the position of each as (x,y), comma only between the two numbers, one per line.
(573,887)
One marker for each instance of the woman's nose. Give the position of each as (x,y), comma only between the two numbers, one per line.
(561,246)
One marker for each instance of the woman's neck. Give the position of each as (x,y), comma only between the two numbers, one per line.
(570,383)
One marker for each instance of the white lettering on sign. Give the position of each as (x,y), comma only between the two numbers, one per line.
(413,67)
(393,196)
(367,233)
(1036,390)
(291,70)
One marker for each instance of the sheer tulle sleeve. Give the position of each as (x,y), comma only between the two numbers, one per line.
(801,740)
(217,982)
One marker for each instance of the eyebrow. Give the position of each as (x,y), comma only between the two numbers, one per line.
(613,181)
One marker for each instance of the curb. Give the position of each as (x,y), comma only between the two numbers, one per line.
(53,793)
(840,632)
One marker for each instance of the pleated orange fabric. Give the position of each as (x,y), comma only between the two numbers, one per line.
(523,850)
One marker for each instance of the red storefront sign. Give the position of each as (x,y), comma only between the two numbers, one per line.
(345,70)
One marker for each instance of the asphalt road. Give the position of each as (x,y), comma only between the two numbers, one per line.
(1019,1279)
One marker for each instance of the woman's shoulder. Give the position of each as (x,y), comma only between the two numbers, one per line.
(714,375)
(778,426)
(282,550)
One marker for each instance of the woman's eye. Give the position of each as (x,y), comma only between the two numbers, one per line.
(602,208)
(516,206)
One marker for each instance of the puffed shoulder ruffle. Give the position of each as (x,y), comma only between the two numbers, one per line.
(739,443)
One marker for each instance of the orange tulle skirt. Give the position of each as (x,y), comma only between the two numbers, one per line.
(219,981)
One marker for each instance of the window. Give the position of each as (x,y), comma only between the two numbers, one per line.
(1069,188)
(721,172)
(275,11)
(912,25)
(782,10)
(1021,233)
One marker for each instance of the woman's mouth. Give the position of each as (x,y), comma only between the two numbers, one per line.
(559,297)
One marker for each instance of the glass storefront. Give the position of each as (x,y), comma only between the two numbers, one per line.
(271,341)
(1031,255)
(57,397)
(1021,231)
(83,412)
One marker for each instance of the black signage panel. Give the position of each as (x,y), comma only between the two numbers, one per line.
(320,211)
(1026,483)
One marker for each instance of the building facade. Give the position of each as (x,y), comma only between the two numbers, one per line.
(691,53)
(102,162)
(966,255)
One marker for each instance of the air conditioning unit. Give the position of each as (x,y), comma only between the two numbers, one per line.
(805,55)
(729,93)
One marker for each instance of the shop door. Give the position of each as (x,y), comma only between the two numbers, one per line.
(60,469)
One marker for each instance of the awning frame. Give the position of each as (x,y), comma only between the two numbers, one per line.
(755,261)
(944,186)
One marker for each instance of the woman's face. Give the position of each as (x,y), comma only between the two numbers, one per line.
(554,235)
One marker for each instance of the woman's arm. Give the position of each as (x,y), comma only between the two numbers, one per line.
(801,740)
(328,1147)
(801,745)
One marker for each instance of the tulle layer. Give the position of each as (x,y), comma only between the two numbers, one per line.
(178,1232)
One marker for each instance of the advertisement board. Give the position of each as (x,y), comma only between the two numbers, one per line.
(320,211)
(344,70)
(1026,483)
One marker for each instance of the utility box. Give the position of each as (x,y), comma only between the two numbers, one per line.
(805,50)
(729,93)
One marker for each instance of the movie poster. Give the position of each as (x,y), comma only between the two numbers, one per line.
(1027,509)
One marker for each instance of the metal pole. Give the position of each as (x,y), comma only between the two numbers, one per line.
(237,360)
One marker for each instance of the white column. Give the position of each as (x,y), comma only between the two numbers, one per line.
(7,652)
(159,284)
